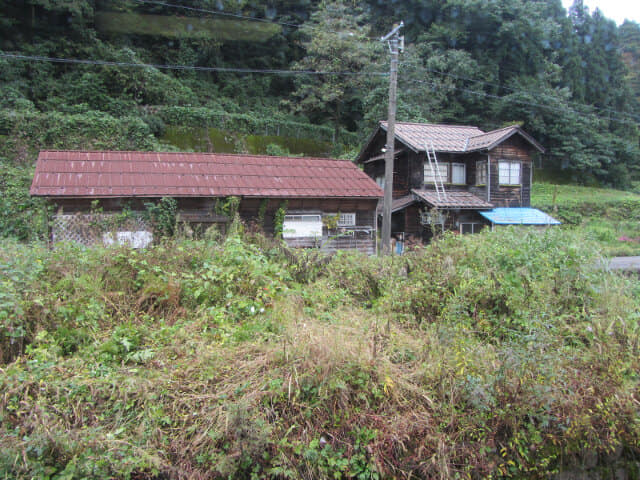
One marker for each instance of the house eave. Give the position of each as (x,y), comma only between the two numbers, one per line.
(500,140)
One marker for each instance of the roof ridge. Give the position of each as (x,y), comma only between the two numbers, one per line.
(435,125)
(212,154)
(498,130)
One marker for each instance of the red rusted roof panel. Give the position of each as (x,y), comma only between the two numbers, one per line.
(153,174)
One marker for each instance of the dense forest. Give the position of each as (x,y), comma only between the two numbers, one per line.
(218,75)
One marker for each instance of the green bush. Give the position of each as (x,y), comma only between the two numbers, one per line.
(88,130)
(250,123)
(21,216)
(505,284)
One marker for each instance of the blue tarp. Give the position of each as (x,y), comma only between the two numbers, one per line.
(518,216)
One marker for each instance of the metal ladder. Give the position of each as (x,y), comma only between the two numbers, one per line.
(435,170)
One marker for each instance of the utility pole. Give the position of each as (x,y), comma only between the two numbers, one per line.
(396,44)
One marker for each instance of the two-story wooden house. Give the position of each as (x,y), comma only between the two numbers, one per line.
(455,177)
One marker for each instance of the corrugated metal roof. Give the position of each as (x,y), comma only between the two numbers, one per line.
(154,174)
(519,216)
(461,200)
(454,138)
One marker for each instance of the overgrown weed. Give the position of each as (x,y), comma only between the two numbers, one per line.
(501,355)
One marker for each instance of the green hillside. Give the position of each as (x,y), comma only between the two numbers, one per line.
(133,73)
(610,217)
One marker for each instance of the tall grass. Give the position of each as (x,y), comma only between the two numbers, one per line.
(506,354)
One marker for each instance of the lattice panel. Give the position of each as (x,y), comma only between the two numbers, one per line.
(88,229)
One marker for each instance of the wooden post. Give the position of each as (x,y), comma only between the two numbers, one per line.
(394,46)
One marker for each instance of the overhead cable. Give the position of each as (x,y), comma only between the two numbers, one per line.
(217,12)
(515,90)
(236,15)
(39,58)
(522,102)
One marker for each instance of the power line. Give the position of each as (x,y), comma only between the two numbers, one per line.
(292,72)
(514,90)
(236,15)
(284,72)
(184,67)
(288,72)
(460,77)
(521,102)
(217,12)
(484,94)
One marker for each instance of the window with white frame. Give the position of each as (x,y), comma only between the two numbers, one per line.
(458,174)
(380,181)
(347,220)
(430,173)
(481,173)
(509,173)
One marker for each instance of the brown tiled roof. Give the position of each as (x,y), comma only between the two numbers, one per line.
(402,202)
(153,174)
(445,138)
(454,138)
(491,139)
(452,199)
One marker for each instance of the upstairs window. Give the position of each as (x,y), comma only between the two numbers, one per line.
(380,181)
(481,173)
(454,173)
(458,174)
(430,175)
(509,173)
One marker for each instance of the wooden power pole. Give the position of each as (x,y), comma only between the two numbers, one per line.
(396,43)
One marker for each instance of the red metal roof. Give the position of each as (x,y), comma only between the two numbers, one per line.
(157,174)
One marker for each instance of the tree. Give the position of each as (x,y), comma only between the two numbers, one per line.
(336,39)
(629,33)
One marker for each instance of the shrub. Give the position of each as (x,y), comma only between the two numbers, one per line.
(501,284)
(21,216)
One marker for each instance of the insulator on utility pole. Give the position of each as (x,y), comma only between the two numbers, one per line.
(396,43)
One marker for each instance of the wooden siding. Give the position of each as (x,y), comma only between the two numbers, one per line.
(405,168)
(515,149)
(400,176)
(364,244)
(374,169)
(200,211)
(412,225)
(526,184)
(416,169)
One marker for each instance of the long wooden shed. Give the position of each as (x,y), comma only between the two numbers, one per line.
(328,203)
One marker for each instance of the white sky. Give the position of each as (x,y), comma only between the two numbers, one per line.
(617,10)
